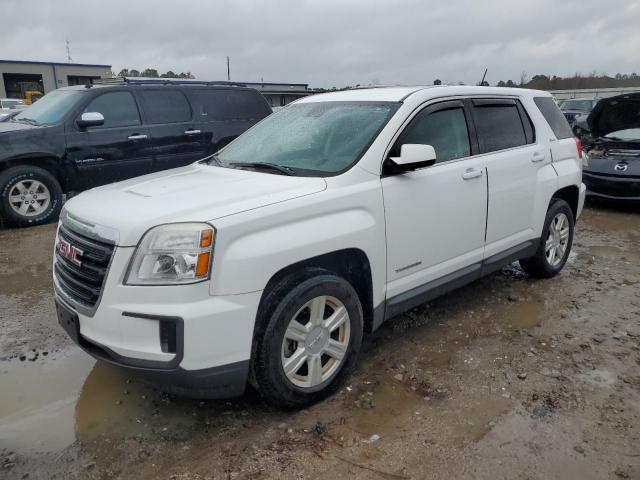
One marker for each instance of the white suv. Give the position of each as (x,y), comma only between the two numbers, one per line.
(266,262)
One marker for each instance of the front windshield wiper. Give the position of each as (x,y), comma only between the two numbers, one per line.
(30,121)
(264,166)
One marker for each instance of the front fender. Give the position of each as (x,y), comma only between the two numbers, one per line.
(253,246)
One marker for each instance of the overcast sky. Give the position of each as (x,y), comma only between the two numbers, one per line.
(332,43)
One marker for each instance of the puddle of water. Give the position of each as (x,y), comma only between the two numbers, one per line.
(38,400)
(49,404)
(392,403)
(519,315)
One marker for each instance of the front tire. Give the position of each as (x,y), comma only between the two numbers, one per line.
(555,242)
(29,196)
(310,338)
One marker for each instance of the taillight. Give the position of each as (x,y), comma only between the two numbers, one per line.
(579,147)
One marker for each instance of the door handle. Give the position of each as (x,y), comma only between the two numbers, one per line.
(137,136)
(470,173)
(537,157)
(192,132)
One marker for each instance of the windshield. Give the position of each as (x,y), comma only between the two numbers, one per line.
(579,105)
(311,138)
(50,108)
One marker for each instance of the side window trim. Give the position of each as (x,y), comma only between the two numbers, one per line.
(82,108)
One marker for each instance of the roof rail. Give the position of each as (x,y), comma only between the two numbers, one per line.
(162,81)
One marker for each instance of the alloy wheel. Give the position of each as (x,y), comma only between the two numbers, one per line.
(557,239)
(315,342)
(29,198)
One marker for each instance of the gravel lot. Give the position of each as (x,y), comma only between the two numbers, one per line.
(509,377)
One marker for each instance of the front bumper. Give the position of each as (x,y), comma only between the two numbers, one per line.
(612,187)
(179,336)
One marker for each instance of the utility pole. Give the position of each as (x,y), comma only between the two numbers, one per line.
(69,59)
(228,70)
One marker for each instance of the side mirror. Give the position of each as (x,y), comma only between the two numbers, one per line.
(90,119)
(414,156)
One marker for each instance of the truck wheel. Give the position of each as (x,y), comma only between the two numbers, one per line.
(310,338)
(555,243)
(29,196)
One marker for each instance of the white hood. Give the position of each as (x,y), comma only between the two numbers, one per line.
(194,193)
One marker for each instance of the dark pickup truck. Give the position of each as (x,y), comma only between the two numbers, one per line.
(81,137)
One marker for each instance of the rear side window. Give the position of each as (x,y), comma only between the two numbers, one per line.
(165,106)
(119,109)
(229,104)
(554,117)
(500,125)
(445,130)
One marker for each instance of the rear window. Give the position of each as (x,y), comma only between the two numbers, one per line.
(554,117)
(228,104)
(500,125)
(165,106)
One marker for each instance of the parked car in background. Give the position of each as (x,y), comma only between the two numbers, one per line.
(576,106)
(611,162)
(10,105)
(269,260)
(81,137)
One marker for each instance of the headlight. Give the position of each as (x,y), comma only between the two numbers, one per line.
(585,159)
(173,254)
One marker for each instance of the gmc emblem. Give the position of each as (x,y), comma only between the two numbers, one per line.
(68,251)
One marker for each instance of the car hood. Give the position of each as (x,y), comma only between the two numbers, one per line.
(615,113)
(195,193)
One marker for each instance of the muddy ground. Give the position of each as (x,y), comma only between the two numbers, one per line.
(509,378)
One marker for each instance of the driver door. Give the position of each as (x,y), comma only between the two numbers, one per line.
(435,216)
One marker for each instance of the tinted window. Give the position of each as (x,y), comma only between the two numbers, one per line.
(499,126)
(227,104)
(119,109)
(165,106)
(554,117)
(445,130)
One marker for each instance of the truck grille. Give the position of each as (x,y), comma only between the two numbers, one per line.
(81,266)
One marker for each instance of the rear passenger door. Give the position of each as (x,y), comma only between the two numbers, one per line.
(175,138)
(513,159)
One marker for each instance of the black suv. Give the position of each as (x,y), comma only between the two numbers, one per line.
(81,137)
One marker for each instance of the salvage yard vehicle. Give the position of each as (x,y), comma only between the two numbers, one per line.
(267,262)
(574,107)
(611,162)
(81,137)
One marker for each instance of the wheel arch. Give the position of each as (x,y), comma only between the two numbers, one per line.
(352,264)
(50,163)
(571,195)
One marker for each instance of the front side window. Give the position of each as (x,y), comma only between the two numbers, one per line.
(316,138)
(119,109)
(51,108)
(165,106)
(499,126)
(445,130)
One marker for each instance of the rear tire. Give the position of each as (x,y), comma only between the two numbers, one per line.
(29,196)
(555,242)
(307,343)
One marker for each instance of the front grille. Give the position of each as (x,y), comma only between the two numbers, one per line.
(82,283)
